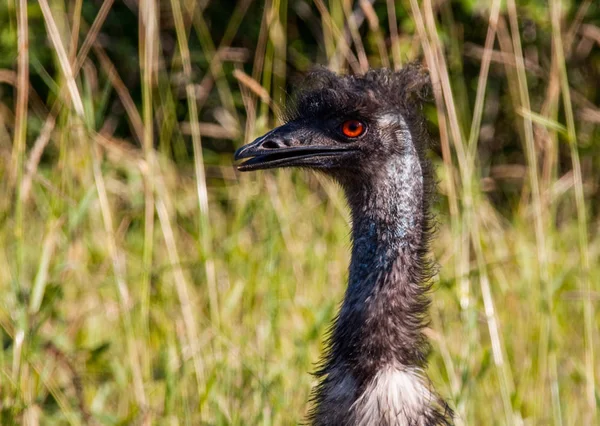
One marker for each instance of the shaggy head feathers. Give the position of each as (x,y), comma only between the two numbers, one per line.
(324,93)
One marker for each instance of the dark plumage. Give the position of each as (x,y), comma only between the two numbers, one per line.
(368,133)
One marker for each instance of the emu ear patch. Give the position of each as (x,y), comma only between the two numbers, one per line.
(390,119)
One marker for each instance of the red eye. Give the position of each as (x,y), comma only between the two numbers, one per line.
(353,128)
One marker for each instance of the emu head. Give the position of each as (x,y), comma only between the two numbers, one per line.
(346,126)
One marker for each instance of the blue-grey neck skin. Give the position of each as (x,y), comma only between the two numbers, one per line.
(386,219)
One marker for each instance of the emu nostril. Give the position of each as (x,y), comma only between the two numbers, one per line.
(272,144)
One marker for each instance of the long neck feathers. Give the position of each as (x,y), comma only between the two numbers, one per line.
(372,373)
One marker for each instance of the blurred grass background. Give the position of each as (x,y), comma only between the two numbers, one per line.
(144,281)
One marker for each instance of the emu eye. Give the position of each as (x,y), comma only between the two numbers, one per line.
(353,128)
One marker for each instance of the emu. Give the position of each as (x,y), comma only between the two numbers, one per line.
(368,133)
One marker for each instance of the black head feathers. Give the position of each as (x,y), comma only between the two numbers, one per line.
(324,93)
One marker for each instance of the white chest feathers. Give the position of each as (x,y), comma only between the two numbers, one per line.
(395,397)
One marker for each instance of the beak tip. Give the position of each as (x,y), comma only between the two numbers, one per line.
(239,156)
(236,154)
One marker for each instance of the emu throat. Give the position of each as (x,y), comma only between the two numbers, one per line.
(387,216)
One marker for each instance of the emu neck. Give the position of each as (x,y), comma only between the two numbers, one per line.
(373,371)
(380,322)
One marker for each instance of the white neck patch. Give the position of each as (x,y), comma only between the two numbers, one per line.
(397,396)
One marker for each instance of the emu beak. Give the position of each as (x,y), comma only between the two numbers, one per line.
(288,146)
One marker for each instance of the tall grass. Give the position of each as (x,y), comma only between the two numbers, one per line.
(144,281)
